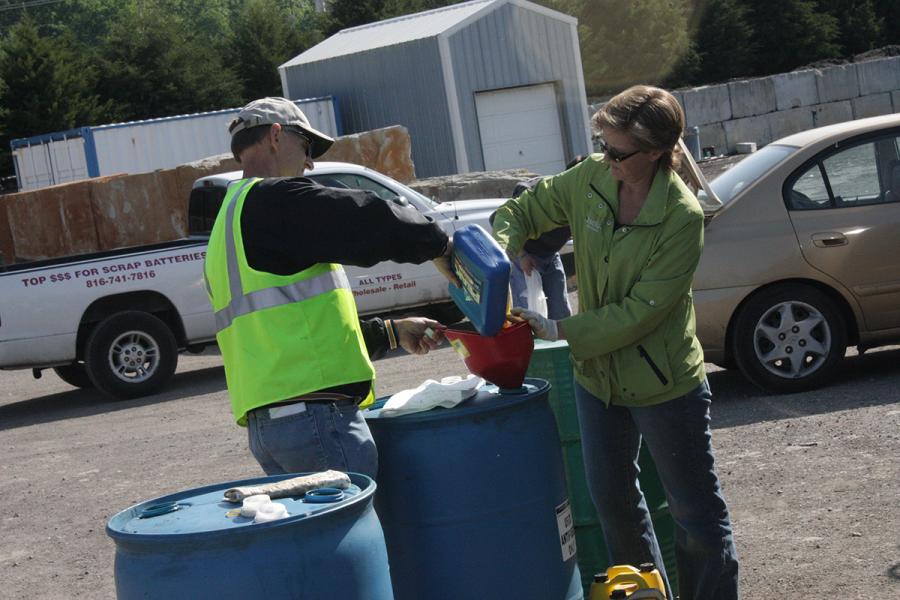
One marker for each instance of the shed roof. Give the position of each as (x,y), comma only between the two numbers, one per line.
(406,28)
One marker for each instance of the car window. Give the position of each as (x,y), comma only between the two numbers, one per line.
(853,175)
(739,177)
(810,192)
(355,182)
(846,178)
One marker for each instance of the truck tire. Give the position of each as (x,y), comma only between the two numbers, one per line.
(74,374)
(131,354)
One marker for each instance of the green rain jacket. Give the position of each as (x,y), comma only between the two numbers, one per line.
(633,340)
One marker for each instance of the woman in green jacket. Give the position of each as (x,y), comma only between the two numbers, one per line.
(638,233)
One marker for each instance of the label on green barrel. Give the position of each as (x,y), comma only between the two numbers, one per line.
(566,526)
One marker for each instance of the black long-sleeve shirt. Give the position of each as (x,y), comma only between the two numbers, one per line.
(288,224)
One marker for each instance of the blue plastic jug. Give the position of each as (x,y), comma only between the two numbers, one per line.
(483,269)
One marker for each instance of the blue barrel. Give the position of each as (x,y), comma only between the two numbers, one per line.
(473,500)
(192,545)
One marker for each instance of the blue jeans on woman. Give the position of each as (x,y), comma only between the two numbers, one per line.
(678,437)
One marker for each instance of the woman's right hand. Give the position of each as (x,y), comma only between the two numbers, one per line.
(543,328)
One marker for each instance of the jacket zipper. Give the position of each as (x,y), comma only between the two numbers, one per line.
(646,356)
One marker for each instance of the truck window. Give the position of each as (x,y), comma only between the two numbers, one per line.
(204,206)
(355,182)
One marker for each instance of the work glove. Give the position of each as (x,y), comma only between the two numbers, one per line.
(543,328)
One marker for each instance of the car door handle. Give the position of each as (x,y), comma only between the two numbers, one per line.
(829,239)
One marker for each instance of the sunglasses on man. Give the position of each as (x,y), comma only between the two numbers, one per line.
(617,156)
(302,134)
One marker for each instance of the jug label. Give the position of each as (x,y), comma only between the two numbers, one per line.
(460,348)
(566,526)
(470,284)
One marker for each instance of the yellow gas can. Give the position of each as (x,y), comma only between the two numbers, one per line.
(625,581)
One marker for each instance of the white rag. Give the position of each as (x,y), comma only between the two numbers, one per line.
(447,393)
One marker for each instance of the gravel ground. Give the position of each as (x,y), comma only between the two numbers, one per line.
(813,480)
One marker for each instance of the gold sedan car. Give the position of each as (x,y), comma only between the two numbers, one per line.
(802,259)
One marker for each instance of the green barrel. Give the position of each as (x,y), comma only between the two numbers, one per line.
(550,361)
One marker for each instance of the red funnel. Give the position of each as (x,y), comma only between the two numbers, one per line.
(501,359)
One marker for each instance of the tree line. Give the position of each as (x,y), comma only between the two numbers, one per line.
(70,63)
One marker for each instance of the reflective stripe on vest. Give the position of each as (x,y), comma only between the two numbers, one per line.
(241,304)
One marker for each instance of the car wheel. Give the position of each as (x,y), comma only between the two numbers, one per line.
(74,374)
(789,339)
(131,354)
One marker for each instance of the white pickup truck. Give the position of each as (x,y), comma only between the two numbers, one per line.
(116,320)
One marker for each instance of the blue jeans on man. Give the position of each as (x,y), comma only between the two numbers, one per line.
(553,280)
(308,437)
(677,434)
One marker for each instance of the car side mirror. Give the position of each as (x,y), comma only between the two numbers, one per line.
(401,200)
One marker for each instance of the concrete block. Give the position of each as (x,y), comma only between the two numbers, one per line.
(713,135)
(749,129)
(186,174)
(175,200)
(795,89)
(132,211)
(752,97)
(831,113)
(875,76)
(707,104)
(387,150)
(52,222)
(872,105)
(7,250)
(786,122)
(837,83)
(895,100)
(470,186)
(679,95)
(745,147)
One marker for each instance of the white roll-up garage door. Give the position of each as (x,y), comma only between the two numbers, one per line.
(520,129)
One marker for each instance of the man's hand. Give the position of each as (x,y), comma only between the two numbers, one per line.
(527,263)
(418,335)
(543,328)
(444,265)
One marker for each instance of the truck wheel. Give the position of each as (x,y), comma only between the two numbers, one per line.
(131,354)
(74,374)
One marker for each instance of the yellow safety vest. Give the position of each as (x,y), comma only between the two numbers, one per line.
(281,336)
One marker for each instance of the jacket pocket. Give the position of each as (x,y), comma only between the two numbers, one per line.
(643,369)
(646,356)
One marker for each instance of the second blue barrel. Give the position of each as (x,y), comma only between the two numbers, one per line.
(473,500)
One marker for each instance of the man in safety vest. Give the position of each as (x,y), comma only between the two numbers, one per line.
(297,357)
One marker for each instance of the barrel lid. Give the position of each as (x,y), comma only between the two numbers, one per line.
(489,398)
(204,510)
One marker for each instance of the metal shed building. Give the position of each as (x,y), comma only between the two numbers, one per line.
(481,85)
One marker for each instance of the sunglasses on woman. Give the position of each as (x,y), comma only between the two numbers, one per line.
(614,155)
